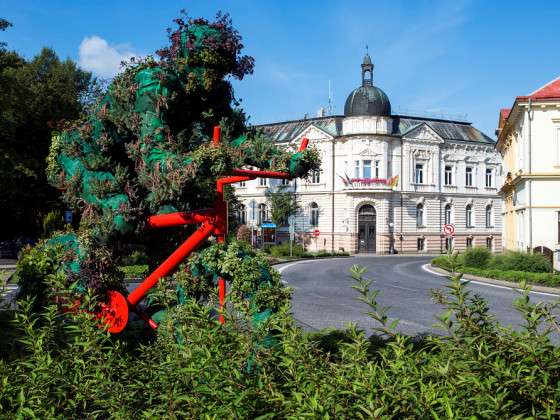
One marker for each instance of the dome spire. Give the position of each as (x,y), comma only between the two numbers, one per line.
(367,70)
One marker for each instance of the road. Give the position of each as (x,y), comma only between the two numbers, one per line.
(323,296)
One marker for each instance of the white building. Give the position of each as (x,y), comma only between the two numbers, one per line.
(529,141)
(388,182)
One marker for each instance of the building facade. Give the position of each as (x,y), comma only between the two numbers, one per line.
(388,183)
(529,142)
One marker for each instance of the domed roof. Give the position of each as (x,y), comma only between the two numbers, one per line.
(367,99)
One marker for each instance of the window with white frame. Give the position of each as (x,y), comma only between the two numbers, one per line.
(448,175)
(420,215)
(242,214)
(489,243)
(377,169)
(468,176)
(469,242)
(469,216)
(315,177)
(242,184)
(419,173)
(262,182)
(284,182)
(356,169)
(314,214)
(261,215)
(366,169)
(488,216)
(489,178)
(447,214)
(420,244)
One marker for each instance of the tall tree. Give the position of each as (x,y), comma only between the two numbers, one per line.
(283,204)
(34,96)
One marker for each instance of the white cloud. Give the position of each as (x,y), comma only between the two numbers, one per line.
(101,58)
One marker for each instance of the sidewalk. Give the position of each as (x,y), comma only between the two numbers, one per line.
(504,283)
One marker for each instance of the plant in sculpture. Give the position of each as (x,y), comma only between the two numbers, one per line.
(143,159)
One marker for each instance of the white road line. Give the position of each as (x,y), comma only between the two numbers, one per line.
(401,287)
(426,268)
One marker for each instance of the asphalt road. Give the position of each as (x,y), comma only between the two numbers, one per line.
(323,296)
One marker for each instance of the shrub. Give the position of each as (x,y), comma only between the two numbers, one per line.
(283,250)
(52,222)
(477,257)
(522,261)
(244,234)
(134,271)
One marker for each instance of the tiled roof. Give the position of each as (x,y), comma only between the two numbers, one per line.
(549,91)
(448,130)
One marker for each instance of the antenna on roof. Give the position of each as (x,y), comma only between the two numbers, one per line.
(330,106)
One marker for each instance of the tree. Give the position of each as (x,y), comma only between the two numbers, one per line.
(34,96)
(283,204)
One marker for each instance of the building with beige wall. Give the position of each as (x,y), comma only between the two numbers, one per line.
(387,182)
(529,142)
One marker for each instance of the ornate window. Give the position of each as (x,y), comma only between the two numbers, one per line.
(448,179)
(261,214)
(469,216)
(488,216)
(242,214)
(419,173)
(314,214)
(489,180)
(315,177)
(447,214)
(420,215)
(366,169)
(468,176)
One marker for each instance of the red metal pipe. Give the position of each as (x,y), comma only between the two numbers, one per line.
(171,263)
(231,180)
(180,218)
(217,134)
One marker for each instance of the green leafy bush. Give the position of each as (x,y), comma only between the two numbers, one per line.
(61,365)
(134,271)
(52,222)
(283,250)
(478,257)
(521,261)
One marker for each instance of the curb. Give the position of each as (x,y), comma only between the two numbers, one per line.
(496,282)
(310,259)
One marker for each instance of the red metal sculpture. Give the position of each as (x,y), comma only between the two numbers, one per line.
(213,221)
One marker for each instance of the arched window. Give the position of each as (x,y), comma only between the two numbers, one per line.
(242,214)
(314,214)
(447,214)
(420,215)
(262,214)
(468,216)
(488,214)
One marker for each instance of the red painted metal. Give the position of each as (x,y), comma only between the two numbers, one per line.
(216,135)
(171,263)
(214,221)
(180,218)
(114,312)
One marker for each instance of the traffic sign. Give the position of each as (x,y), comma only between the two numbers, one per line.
(316,232)
(448,229)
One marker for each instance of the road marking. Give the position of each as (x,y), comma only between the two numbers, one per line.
(401,287)
(281,269)
(426,268)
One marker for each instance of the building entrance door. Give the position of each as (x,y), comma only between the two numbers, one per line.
(366,229)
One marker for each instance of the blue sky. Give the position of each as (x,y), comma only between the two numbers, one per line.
(450,57)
